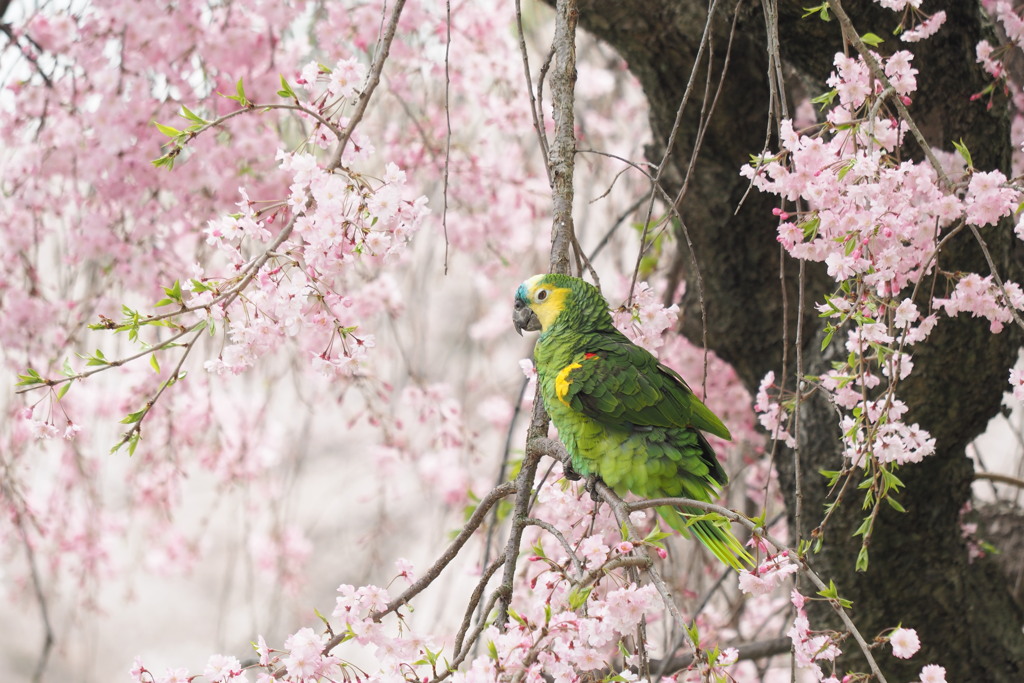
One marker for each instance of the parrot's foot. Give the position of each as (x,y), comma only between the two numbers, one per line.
(591,487)
(569,473)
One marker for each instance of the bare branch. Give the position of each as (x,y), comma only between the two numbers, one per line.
(1001,478)
(474,600)
(373,80)
(496,494)
(561,160)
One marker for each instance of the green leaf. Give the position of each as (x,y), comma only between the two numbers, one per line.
(862,560)
(64,389)
(166,161)
(964,152)
(825,99)
(832,593)
(29,378)
(865,527)
(821,10)
(192,116)
(133,442)
(654,538)
(96,359)
(890,480)
(286,90)
(518,619)
(831,475)
(872,39)
(154,363)
(132,418)
(578,596)
(895,504)
(429,658)
(67,370)
(829,331)
(240,89)
(169,131)
(322,618)
(810,228)
(694,632)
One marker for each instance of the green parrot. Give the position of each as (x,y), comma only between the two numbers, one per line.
(622,415)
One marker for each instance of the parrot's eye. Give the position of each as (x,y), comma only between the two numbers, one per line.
(542,294)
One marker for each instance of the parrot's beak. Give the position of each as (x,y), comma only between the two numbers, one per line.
(524,318)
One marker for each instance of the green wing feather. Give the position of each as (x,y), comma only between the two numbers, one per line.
(631,386)
(618,383)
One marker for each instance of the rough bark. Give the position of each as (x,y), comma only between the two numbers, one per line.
(919,572)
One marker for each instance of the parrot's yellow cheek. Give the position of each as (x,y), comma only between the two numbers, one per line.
(550,307)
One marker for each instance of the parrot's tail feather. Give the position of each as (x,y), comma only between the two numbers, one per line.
(716,537)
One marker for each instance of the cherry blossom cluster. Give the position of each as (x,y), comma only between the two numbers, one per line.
(567,619)
(993,58)
(306,293)
(811,649)
(768,575)
(876,223)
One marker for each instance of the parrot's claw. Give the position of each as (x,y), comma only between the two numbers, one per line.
(591,486)
(569,473)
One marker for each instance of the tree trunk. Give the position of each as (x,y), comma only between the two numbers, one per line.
(919,572)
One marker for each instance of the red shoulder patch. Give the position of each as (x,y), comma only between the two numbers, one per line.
(588,356)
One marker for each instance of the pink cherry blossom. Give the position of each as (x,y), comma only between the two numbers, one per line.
(178,675)
(905,643)
(933,673)
(925,29)
(1017,383)
(767,576)
(222,668)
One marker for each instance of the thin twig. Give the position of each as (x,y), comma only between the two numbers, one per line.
(373,80)
(455,663)
(136,427)
(524,489)
(671,142)
(37,588)
(621,510)
(995,274)
(474,600)
(448,125)
(642,562)
(472,524)
(551,529)
(542,138)
(759,649)
(850,34)
(1001,478)
(615,226)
